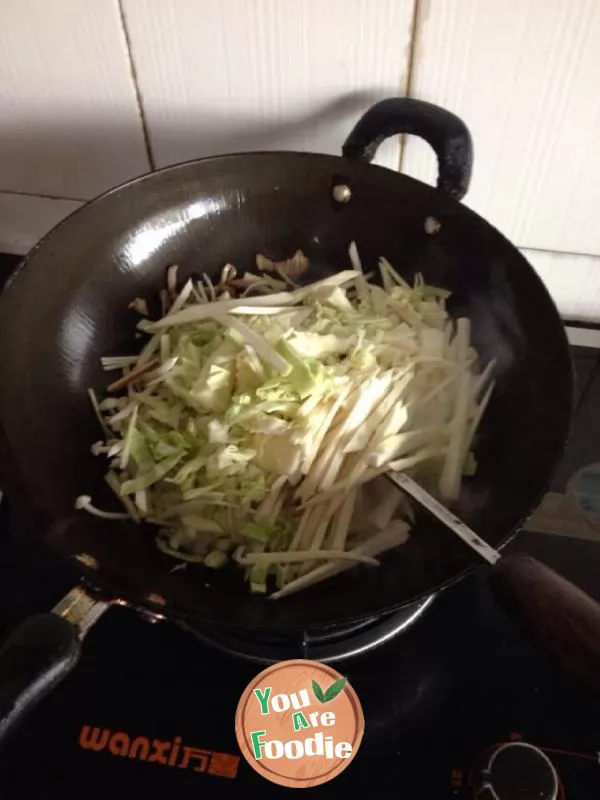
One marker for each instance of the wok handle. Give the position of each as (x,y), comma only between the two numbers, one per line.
(445,132)
(35,658)
(557,616)
(40,653)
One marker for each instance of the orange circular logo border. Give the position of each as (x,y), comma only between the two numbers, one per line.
(289,679)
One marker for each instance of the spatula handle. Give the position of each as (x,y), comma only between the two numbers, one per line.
(557,616)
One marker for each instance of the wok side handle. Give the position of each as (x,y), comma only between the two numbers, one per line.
(40,653)
(445,132)
(558,617)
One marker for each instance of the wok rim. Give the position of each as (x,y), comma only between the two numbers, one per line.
(100,584)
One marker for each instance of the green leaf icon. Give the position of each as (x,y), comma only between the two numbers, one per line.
(334,690)
(318,692)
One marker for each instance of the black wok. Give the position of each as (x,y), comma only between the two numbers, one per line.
(67,306)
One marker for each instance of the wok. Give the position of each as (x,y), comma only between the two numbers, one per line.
(67,306)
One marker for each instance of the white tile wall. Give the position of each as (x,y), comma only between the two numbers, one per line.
(24,219)
(69,121)
(219,76)
(525,76)
(572,280)
(89,89)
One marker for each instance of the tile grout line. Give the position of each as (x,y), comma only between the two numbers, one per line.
(558,252)
(43,196)
(136,86)
(414,27)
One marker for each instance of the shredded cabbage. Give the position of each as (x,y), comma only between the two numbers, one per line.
(252,424)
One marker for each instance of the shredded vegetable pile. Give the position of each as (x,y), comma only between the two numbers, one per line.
(256,423)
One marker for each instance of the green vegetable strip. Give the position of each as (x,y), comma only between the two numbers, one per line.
(252,435)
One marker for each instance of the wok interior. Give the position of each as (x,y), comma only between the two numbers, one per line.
(68,307)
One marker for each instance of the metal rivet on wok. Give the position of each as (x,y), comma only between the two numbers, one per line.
(342,193)
(87,560)
(151,617)
(432,225)
(157,599)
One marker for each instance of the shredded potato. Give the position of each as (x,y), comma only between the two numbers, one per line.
(256,428)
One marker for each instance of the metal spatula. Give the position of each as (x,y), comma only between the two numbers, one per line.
(456,525)
(551,611)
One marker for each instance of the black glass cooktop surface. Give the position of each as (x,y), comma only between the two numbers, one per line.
(439,698)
